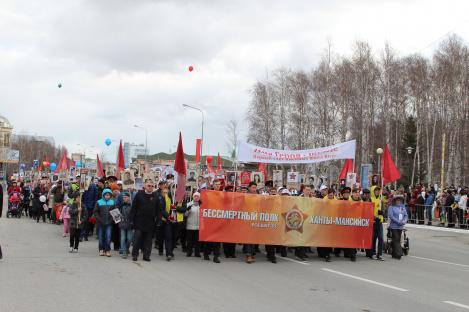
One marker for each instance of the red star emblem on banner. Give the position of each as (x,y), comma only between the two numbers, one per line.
(294,219)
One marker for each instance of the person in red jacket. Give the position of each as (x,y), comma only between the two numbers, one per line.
(13,188)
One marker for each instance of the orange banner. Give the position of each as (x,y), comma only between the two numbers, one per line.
(285,220)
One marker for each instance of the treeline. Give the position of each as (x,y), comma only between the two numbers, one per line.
(409,102)
(31,149)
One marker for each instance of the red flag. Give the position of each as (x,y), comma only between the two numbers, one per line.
(198,145)
(209,164)
(348,167)
(99,167)
(263,169)
(120,164)
(180,168)
(388,168)
(63,163)
(218,162)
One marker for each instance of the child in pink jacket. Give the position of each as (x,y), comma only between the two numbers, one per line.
(65,217)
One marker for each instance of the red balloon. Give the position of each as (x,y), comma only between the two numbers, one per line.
(191,68)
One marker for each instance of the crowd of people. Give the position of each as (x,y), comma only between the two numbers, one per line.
(447,207)
(135,221)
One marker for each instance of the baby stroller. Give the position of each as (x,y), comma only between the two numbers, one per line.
(404,242)
(14,205)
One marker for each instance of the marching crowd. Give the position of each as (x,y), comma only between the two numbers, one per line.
(141,219)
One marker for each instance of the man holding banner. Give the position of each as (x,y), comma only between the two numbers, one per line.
(250,249)
(324,252)
(285,221)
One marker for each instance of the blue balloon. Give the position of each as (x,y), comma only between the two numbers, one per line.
(53,166)
(77,164)
(108,141)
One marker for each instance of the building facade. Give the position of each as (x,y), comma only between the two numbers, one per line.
(132,151)
(5,146)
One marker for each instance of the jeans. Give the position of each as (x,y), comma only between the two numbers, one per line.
(126,238)
(104,236)
(377,236)
(428,212)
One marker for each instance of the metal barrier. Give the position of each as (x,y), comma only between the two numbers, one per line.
(438,216)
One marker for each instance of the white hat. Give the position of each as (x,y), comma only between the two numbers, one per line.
(42,199)
(285,192)
(196,194)
(323,187)
(119,182)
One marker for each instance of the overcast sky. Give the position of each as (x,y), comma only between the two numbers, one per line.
(125,62)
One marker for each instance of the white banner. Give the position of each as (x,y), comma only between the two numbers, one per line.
(254,154)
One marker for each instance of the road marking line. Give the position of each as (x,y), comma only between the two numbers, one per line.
(457,304)
(365,280)
(440,261)
(292,260)
(296,261)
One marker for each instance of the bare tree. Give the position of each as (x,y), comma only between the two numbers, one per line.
(370,99)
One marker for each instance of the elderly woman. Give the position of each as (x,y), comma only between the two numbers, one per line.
(397,215)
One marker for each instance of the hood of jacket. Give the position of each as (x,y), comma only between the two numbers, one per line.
(103,201)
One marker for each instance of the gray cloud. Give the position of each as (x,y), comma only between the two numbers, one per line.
(124,62)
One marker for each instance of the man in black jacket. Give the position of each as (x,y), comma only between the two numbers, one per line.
(143,216)
(448,205)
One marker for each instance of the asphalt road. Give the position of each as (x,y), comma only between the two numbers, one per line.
(38,274)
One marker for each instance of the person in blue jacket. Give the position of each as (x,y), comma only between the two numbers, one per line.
(104,222)
(429,205)
(90,197)
(397,216)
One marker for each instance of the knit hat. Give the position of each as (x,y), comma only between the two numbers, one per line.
(126,194)
(114,187)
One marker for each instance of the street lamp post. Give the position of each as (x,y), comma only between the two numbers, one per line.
(146,140)
(203,121)
(409,152)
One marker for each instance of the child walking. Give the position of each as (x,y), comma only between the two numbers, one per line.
(77,216)
(104,221)
(65,217)
(126,232)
